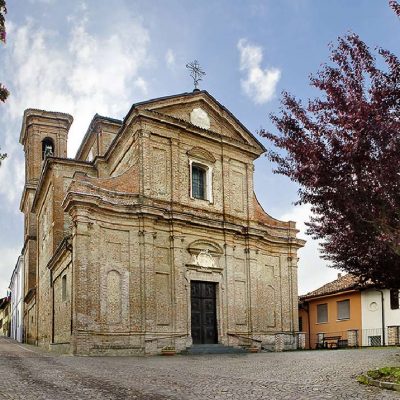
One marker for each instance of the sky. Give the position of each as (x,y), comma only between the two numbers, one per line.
(83,57)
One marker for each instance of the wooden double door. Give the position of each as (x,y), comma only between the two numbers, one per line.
(204,314)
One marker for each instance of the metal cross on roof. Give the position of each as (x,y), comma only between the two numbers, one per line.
(196,73)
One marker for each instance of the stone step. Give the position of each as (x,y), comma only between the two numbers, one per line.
(213,349)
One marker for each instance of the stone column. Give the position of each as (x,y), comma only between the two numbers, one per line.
(352,337)
(228,261)
(80,283)
(393,335)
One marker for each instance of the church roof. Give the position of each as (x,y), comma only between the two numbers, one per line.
(195,93)
(150,102)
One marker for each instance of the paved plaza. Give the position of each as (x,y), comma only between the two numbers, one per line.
(28,373)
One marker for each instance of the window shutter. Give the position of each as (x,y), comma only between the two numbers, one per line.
(322,313)
(343,309)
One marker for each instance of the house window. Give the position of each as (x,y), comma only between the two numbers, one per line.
(300,324)
(394,299)
(343,309)
(64,288)
(322,313)
(201,180)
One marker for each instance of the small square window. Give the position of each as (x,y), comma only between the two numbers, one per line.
(343,309)
(322,313)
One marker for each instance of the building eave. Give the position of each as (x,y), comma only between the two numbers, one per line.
(97,118)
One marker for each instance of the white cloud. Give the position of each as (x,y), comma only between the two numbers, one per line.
(83,75)
(259,84)
(141,84)
(79,73)
(170,59)
(313,271)
(42,1)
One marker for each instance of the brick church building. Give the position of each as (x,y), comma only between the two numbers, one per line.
(152,235)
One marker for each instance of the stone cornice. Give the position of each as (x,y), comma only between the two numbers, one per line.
(49,115)
(27,239)
(30,295)
(29,187)
(50,161)
(62,248)
(186,97)
(138,205)
(158,118)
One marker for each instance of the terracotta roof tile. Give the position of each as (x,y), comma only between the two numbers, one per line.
(342,284)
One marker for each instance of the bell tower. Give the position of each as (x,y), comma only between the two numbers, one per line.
(43,134)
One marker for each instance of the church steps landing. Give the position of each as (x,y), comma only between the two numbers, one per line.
(199,349)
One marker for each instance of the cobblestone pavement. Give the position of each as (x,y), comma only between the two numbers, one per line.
(28,373)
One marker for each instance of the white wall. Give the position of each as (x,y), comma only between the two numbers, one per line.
(17,301)
(371,314)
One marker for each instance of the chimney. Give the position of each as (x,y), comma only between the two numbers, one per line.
(339,275)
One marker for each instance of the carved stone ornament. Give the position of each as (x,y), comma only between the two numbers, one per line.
(205,259)
(200,118)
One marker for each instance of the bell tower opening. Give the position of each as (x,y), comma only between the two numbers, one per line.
(47,147)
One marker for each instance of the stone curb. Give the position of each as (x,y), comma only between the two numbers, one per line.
(382,384)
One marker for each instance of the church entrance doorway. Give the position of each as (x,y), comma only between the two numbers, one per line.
(204,315)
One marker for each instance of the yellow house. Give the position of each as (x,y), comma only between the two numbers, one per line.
(5,316)
(331,315)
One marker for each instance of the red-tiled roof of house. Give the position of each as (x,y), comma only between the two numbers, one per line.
(341,284)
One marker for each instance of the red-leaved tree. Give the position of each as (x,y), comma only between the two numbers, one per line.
(3,10)
(3,91)
(343,149)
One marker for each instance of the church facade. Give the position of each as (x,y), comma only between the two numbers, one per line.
(152,236)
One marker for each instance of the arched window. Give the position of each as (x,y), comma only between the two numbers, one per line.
(47,147)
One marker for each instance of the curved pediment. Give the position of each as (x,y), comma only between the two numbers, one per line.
(201,245)
(201,153)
